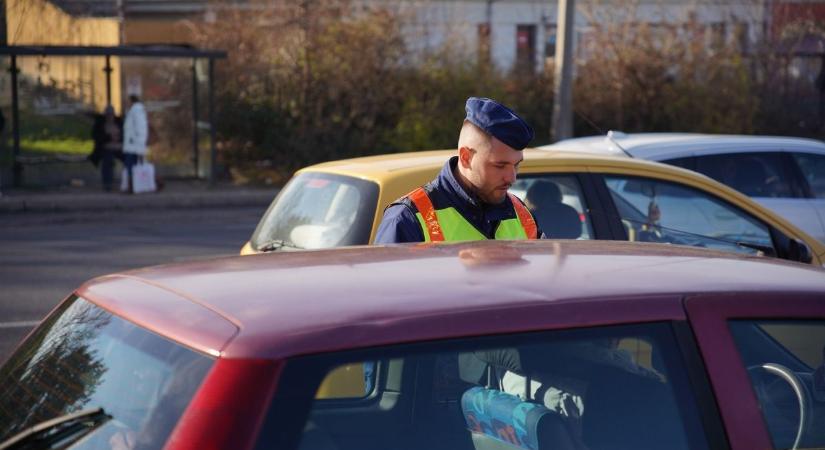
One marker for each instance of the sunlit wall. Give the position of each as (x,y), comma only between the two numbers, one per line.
(38,22)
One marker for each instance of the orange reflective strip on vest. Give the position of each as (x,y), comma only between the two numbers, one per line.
(422,202)
(524,216)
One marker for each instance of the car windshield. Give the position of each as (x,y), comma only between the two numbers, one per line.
(83,358)
(318,210)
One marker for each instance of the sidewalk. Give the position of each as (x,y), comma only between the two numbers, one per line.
(175,194)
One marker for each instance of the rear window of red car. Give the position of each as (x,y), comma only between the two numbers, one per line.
(83,357)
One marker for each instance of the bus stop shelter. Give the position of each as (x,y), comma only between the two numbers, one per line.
(155,51)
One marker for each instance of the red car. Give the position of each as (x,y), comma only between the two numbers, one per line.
(475,346)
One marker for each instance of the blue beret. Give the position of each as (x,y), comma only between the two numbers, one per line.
(498,121)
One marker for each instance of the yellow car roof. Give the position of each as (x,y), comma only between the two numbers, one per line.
(379,168)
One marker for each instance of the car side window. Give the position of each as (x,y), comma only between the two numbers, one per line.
(784,361)
(813,169)
(618,387)
(659,211)
(557,204)
(757,174)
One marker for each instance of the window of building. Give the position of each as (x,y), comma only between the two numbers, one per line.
(526,48)
(550,41)
(484,43)
(742,36)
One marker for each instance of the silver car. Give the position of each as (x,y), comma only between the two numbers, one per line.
(785,174)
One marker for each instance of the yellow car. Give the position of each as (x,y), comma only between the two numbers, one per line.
(572,195)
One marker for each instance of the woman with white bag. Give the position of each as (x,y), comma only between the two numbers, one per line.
(139,175)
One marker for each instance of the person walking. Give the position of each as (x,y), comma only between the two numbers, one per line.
(135,136)
(469,199)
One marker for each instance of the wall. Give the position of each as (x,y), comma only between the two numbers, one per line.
(431,23)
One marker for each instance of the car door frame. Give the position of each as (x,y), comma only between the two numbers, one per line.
(709,315)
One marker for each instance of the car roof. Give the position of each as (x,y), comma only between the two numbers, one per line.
(660,146)
(286,304)
(381,168)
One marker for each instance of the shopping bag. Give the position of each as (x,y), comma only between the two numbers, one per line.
(143,175)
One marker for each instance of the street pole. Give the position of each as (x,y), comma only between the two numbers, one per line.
(213,153)
(563,81)
(4,37)
(17,167)
(120,5)
(195,137)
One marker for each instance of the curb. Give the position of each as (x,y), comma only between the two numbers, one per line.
(10,204)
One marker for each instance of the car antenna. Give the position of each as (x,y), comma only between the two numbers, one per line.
(612,136)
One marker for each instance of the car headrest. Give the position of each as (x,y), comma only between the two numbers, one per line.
(472,365)
(497,416)
(565,359)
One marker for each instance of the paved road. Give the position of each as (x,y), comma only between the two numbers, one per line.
(43,257)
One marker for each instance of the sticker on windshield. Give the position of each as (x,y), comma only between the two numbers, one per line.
(317,183)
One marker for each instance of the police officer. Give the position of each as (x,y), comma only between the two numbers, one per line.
(469,199)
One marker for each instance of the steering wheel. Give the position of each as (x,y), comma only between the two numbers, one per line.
(803,395)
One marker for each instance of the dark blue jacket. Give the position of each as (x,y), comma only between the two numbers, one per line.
(399,223)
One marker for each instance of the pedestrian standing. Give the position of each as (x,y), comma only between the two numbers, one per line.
(107,134)
(469,199)
(135,136)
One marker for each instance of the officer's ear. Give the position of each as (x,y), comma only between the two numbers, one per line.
(465,156)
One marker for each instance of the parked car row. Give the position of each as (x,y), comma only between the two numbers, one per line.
(573,195)
(473,346)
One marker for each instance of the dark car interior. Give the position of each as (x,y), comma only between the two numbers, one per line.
(555,218)
(590,392)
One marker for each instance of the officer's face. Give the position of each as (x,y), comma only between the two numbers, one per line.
(493,170)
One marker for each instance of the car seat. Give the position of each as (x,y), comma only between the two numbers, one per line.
(625,406)
(555,218)
(503,420)
(498,421)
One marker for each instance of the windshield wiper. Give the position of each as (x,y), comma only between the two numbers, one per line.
(681,234)
(273,245)
(71,426)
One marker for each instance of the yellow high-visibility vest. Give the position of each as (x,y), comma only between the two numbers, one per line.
(448,224)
